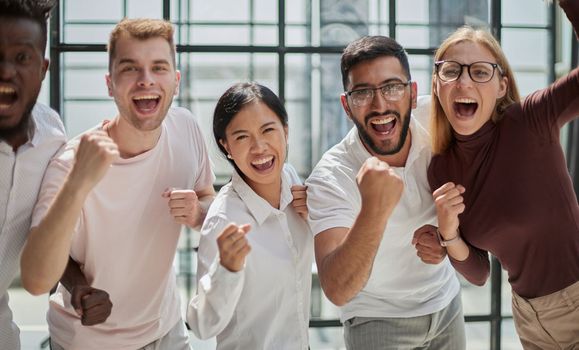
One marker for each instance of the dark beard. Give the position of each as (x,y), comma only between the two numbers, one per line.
(19,130)
(376,148)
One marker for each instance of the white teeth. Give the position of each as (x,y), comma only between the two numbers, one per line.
(464,100)
(146,97)
(6,90)
(382,121)
(3,106)
(262,160)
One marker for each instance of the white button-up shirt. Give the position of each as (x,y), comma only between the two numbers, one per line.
(265,305)
(400,284)
(21,173)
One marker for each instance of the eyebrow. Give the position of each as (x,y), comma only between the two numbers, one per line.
(366,85)
(242,130)
(132,61)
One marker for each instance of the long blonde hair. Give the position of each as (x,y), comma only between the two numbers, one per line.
(439,125)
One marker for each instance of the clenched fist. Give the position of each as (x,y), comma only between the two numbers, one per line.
(183,206)
(299,200)
(379,186)
(92,305)
(428,248)
(95,153)
(449,204)
(233,246)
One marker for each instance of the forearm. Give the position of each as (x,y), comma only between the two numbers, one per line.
(73,276)
(45,254)
(475,267)
(345,271)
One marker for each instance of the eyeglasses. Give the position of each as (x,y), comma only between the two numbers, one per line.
(391,92)
(479,72)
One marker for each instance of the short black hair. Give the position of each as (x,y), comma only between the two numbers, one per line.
(234,100)
(35,10)
(371,47)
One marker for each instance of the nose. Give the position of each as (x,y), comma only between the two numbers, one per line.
(7,70)
(258,145)
(379,101)
(464,78)
(146,79)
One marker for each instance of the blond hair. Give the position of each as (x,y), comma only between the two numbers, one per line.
(439,124)
(142,29)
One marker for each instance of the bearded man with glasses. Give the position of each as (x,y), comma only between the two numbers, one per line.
(373,215)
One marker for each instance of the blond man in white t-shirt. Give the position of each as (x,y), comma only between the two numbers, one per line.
(372,213)
(114,200)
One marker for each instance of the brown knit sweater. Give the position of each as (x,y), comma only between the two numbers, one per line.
(520,203)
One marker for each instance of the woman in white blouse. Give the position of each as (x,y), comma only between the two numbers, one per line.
(256,248)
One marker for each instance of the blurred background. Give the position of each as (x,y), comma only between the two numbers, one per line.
(294,47)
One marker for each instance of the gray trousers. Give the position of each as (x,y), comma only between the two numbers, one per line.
(441,330)
(176,339)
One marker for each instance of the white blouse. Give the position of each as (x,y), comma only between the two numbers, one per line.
(265,305)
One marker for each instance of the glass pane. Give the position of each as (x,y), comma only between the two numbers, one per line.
(84,75)
(530,69)
(79,116)
(145,8)
(475,300)
(421,72)
(535,12)
(413,36)
(88,33)
(509,338)
(85,10)
(478,335)
(416,11)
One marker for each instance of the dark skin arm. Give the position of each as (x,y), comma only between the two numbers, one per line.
(92,305)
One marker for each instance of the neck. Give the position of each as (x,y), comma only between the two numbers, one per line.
(18,135)
(399,158)
(130,140)
(270,192)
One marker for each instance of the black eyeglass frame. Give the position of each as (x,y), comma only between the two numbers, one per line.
(495,66)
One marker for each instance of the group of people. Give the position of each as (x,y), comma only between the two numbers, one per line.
(389,213)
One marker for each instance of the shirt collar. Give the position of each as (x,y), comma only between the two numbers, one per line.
(258,207)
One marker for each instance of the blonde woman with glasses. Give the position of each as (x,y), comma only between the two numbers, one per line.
(499,165)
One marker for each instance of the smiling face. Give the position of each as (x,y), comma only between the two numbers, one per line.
(143,80)
(256,139)
(22,69)
(469,105)
(382,125)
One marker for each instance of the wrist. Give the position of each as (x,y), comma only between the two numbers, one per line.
(446,240)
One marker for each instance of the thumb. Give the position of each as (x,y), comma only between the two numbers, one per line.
(167,192)
(245,228)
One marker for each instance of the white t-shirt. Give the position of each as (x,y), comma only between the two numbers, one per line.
(20,177)
(265,305)
(125,239)
(400,284)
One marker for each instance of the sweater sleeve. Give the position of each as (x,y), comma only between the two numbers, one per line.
(547,110)
(476,267)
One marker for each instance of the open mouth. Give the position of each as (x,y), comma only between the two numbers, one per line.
(146,103)
(263,164)
(7,97)
(384,125)
(465,107)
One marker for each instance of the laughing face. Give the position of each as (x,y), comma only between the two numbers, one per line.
(143,81)
(256,139)
(22,69)
(468,105)
(382,125)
